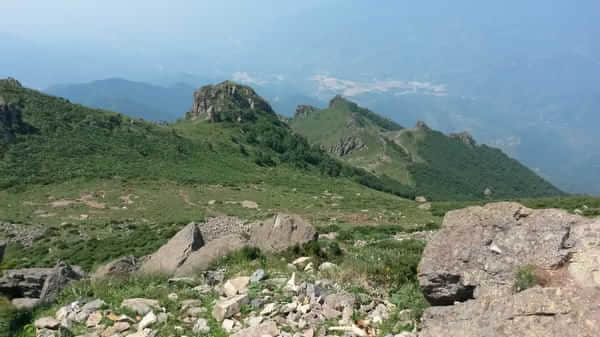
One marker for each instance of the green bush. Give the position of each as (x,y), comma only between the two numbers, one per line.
(525,278)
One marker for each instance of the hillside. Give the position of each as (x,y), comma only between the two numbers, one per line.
(436,165)
(135,99)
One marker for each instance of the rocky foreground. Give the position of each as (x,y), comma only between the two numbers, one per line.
(497,271)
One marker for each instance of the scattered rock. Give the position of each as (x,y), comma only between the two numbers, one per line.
(141,306)
(249,204)
(47,323)
(226,308)
(236,286)
(265,329)
(120,267)
(258,276)
(421,199)
(201,326)
(148,320)
(327,266)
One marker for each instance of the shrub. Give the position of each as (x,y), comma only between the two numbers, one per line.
(526,277)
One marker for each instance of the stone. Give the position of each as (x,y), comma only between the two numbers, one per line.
(249,204)
(60,276)
(120,267)
(201,259)
(425,206)
(281,232)
(175,252)
(236,286)
(94,319)
(173,297)
(291,284)
(143,333)
(148,320)
(183,281)
(258,276)
(226,308)
(478,249)
(548,312)
(186,304)
(301,262)
(140,306)
(228,325)
(47,323)
(201,326)
(327,266)
(268,328)
(25,303)
(421,199)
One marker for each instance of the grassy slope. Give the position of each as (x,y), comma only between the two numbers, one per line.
(435,165)
(104,185)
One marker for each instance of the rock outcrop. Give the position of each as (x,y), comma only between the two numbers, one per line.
(227,101)
(198,245)
(464,137)
(346,146)
(302,111)
(468,273)
(174,253)
(37,284)
(122,266)
(281,232)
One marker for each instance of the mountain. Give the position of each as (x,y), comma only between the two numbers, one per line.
(50,140)
(135,99)
(436,165)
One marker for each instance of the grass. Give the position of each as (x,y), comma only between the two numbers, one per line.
(525,278)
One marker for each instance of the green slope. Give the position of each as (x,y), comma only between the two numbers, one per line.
(433,164)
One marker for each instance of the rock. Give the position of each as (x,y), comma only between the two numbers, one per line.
(302,111)
(265,329)
(478,250)
(140,306)
(227,101)
(201,326)
(421,199)
(174,253)
(47,323)
(228,325)
(226,308)
(148,320)
(143,333)
(258,276)
(2,248)
(183,281)
(60,276)
(301,262)
(353,330)
(37,283)
(173,297)
(327,266)
(236,286)
(249,204)
(291,284)
(120,267)
(94,319)
(25,303)
(212,251)
(550,312)
(281,232)
(425,206)
(186,304)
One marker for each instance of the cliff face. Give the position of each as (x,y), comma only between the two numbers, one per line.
(227,101)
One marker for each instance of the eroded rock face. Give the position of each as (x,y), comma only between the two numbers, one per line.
(346,146)
(227,101)
(478,250)
(175,252)
(474,257)
(464,137)
(302,111)
(281,232)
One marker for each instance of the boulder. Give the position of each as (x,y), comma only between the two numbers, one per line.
(228,307)
(478,250)
(265,329)
(140,306)
(473,260)
(175,252)
(25,303)
(42,284)
(235,286)
(212,251)
(120,267)
(281,232)
(550,312)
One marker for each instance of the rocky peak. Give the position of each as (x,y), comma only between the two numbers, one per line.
(302,111)
(340,101)
(10,83)
(464,137)
(227,101)
(422,126)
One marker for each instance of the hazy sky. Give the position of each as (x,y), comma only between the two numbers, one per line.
(427,40)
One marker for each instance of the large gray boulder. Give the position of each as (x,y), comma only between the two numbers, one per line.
(478,249)
(174,253)
(38,284)
(281,232)
(120,267)
(468,274)
(211,252)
